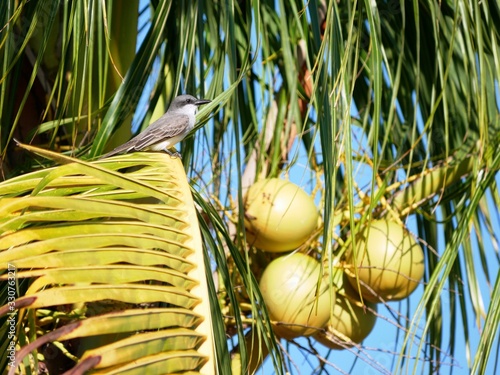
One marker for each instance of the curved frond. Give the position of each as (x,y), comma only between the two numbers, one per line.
(109,241)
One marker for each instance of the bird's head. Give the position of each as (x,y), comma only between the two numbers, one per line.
(186,104)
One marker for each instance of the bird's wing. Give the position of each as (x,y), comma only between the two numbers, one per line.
(163,128)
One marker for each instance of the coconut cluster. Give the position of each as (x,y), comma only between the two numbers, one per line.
(339,309)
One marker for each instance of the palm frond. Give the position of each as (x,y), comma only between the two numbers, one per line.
(90,240)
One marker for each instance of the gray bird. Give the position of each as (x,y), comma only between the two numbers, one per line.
(168,130)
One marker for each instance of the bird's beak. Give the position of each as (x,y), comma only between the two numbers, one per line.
(202,101)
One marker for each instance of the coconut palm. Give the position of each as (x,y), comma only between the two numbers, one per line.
(141,263)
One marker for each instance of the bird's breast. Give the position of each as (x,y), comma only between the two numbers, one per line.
(165,144)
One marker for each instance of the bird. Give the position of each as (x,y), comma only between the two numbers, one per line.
(167,131)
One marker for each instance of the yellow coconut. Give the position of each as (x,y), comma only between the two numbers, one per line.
(289,286)
(350,321)
(390,263)
(279,215)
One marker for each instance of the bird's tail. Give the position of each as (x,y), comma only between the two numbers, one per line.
(117,151)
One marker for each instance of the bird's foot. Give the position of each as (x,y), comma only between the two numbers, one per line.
(174,154)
